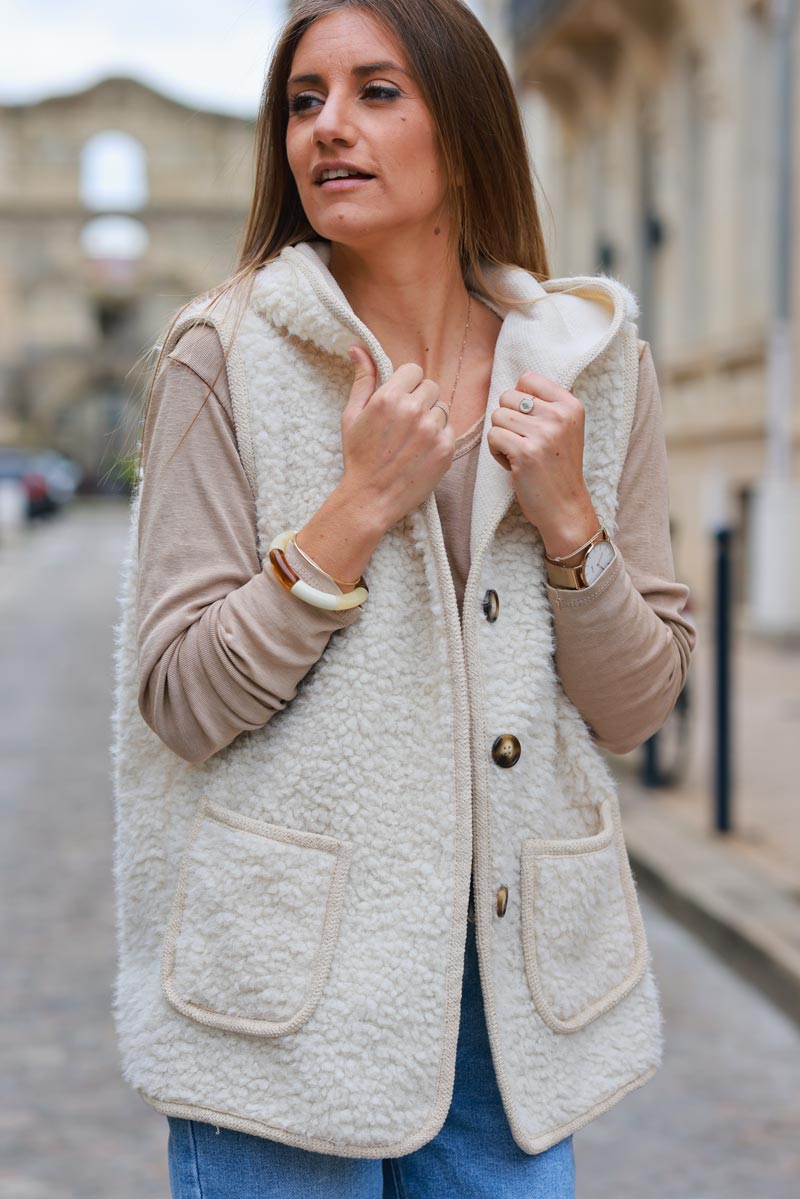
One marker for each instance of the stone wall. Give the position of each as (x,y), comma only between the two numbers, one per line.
(652,130)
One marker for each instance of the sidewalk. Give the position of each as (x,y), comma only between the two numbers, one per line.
(740,890)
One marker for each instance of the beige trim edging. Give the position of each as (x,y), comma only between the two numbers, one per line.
(442,588)
(533,848)
(539,1144)
(208,1115)
(341,851)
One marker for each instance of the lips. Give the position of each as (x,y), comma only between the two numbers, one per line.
(339,166)
(346,188)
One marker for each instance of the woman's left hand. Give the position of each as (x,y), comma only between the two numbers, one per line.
(543,449)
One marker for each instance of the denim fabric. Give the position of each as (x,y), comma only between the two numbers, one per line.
(471,1157)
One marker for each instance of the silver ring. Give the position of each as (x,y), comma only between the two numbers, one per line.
(526,404)
(439,404)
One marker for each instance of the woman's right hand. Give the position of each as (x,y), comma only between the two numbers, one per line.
(395,445)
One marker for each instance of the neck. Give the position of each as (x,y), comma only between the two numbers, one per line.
(412,297)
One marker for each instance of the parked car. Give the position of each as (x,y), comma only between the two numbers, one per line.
(63,474)
(48,478)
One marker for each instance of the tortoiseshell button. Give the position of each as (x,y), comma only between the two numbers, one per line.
(506,750)
(502,900)
(491,604)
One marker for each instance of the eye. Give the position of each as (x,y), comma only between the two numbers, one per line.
(306,100)
(379,91)
(301,102)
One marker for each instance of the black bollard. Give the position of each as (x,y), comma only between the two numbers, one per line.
(650,774)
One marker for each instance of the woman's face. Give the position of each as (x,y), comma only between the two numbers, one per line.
(374,119)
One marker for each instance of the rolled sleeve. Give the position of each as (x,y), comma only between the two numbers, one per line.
(222,644)
(624,643)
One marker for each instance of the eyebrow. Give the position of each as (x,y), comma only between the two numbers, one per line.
(368,68)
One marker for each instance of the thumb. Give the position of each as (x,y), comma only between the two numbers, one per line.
(365,380)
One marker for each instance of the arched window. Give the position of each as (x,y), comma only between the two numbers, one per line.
(113,248)
(114,237)
(113,174)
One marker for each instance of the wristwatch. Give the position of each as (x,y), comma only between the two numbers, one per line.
(598,554)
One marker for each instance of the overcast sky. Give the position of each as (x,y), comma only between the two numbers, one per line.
(212,53)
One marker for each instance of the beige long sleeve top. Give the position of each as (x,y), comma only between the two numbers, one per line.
(223,646)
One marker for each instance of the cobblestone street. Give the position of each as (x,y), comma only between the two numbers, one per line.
(720,1120)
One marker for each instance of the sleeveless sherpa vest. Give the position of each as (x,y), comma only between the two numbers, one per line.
(291,913)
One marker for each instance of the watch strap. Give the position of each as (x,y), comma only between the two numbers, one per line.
(565,576)
(572,577)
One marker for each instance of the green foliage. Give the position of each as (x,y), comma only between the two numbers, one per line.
(124,470)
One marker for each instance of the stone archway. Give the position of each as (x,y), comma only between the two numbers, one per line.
(76,324)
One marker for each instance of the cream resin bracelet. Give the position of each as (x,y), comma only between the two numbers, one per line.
(291,580)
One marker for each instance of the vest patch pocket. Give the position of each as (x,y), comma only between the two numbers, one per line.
(583,937)
(254,922)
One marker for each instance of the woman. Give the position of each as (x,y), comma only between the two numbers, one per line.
(378,930)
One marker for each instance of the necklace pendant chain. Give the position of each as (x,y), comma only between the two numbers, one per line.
(463,344)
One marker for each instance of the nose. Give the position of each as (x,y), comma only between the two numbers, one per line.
(333,122)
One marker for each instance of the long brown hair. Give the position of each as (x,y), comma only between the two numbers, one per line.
(481,136)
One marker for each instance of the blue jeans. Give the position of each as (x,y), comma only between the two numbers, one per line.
(473,1155)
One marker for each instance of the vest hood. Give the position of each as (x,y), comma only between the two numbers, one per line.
(569,319)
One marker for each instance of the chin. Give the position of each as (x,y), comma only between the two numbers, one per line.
(351,232)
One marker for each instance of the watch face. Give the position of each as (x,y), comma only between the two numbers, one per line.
(600,555)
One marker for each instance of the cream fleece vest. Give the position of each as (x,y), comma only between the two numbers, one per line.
(292,913)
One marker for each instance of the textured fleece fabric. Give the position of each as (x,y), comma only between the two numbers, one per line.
(292,911)
(222,645)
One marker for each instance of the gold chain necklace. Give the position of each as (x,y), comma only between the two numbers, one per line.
(461,355)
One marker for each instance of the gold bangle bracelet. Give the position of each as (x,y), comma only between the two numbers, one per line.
(600,535)
(316,565)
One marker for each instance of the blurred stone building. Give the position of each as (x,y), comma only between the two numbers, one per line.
(653,131)
(653,127)
(117,204)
